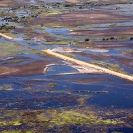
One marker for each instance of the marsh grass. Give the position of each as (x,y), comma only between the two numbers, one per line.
(6,87)
(113,67)
(11,48)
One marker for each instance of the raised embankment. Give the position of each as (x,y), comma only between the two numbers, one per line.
(6,36)
(121,75)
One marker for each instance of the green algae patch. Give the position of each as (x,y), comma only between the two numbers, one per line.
(57,43)
(54,117)
(16,123)
(10,123)
(10,118)
(50,12)
(53,25)
(70,117)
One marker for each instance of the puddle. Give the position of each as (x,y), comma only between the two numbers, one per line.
(23,13)
(57,31)
(52,70)
(32,1)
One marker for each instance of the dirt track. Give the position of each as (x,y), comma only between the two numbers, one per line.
(128,77)
(5,36)
(124,76)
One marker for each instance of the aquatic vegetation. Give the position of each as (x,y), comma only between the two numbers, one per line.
(6,27)
(50,12)
(128,53)
(82,100)
(69,55)
(52,85)
(15,122)
(56,101)
(13,62)
(7,87)
(114,67)
(83,44)
(51,117)
(53,25)
(58,42)
(11,48)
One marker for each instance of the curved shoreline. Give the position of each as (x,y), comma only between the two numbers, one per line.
(121,75)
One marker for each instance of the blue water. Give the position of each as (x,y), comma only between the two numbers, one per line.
(57,31)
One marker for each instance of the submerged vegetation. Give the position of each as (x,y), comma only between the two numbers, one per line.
(6,87)
(7,48)
(114,67)
(53,117)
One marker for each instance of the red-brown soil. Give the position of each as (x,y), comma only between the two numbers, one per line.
(82,17)
(107,1)
(90,80)
(121,60)
(110,32)
(94,57)
(24,70)
(43,20)
(14,3)
(125,61)
(104,45)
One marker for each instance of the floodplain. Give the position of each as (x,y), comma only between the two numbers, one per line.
(40,93)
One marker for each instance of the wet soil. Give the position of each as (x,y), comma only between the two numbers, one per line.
(33,68)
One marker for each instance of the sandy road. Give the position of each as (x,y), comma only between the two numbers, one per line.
(5,36)
(124,76)
(85,64)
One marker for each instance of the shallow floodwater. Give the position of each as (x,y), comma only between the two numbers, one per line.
(57,31)
(39,91)
(47,1)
